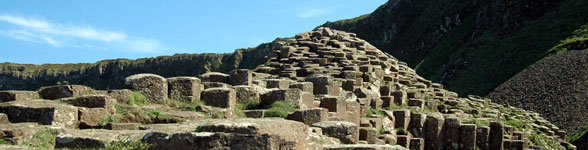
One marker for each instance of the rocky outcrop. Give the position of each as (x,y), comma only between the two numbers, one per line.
(334,90)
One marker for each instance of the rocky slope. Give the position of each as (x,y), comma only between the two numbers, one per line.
(556,86)
(471,47)
(110,74)
(335,91)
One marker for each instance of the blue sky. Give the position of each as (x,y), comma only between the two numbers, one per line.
(38,32)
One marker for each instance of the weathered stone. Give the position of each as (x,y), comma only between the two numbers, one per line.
(402,118)
(400,97)
(434,125)
(296,97)
(214,77)
(362,147)
(417,144)
(186,89)
(92,117)
(208,85)
(519,145)
(240,77)
(416,102)
(121,96)
(452,128)
(346,132)
(496,136)
(254,113)
(277,83)
(154,87)
(220,97)
(323,85)
(309,116)
(285,51)
(62,91)
(4,119)
(247,93)
(91,101)
(286,129)
(94,139)
(467,140)
(417,124)
(41,111)
(482,134)
(404,140)
(368,134)
(389,138)
(304,86)
(122,126)
(387,101)
(218,140)
(18,133)
(6,96)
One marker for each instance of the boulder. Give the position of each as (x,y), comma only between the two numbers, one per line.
(214,77)
(309,116)
(323,84)
(121,96)
(92,117)
(91,101)
(417,144)
(304,86)
(42,112)
(218,140)
(467,140)
(220,97)
(346,132)
(495,139)
(18,133)
(246,93)
(368,134)
(63,91)
(240,77)
(277,83)
(4,119)
(434,125)
(296,97)
(186,89)
(6,96)
(208,85)
(154,87)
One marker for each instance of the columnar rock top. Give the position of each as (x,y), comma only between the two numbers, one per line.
(324,89)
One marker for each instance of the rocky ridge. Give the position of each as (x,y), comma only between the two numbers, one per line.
(334,90)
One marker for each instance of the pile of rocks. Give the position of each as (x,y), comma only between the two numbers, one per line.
(345,93)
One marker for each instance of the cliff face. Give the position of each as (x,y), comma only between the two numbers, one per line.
(110,74)
(469,46)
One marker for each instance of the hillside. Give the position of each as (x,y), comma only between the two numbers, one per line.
(109,74)
(471,47)
(556,86)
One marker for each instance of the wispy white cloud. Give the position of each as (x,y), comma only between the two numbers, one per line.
(39,30)
(314,12)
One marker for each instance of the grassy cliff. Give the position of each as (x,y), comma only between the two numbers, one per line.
(110,74)
(472,46)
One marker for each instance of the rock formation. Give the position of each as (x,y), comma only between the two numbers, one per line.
(334,90)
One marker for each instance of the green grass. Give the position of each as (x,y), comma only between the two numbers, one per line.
(44,139)
(136,98)
(479,123)
(4,142)
(279,109)
(109,119)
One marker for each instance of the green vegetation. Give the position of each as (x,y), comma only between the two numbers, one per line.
(577,135)
(279,109)
(183,105)
(44,139)
(109,119)
(4,142)
(136,98)
(479,123)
